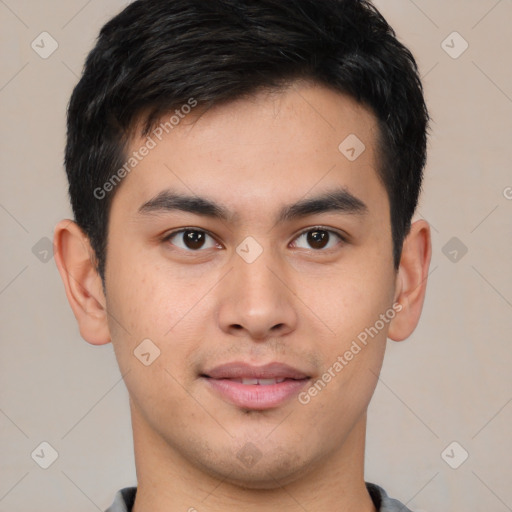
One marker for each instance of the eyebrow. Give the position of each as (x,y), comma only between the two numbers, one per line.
(338,200)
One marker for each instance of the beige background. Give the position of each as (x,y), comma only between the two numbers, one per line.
(451,381)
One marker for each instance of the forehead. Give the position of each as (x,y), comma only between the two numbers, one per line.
(274,147)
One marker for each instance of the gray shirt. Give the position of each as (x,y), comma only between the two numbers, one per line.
(383,503)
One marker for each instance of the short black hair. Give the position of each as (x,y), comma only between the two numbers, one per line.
(157,55)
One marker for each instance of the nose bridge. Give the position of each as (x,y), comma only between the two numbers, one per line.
(256,284)
(257,300)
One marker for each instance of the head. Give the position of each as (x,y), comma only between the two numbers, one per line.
(147,64)
(247,122)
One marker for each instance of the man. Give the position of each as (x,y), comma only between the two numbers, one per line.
(243,175)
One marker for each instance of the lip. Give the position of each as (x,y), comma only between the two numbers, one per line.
(240,370)
(226,381)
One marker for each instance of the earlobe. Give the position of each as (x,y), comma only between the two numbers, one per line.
(75,261)
(411,282)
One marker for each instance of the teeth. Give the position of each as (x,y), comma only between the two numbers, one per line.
(261,382)
(267,382)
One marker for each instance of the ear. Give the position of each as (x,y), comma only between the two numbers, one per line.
(75,259)
(411,280)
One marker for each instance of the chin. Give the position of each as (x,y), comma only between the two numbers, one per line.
(266,471)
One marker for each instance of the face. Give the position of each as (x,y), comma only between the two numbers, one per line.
(256,257)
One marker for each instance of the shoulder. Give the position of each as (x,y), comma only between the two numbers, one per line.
(124,500)
(383,503)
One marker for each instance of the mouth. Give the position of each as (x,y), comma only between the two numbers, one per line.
(259,382)
(255,387)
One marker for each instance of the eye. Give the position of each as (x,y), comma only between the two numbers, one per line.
(319,238)
(191,239)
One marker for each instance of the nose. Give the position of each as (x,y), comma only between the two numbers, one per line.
(257,299)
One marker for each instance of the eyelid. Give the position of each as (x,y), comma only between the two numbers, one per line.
(319,227)
(342,236)
(188,228)
(168,236)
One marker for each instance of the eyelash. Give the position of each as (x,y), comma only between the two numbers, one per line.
(343,238)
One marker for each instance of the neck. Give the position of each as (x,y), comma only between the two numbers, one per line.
(169,483)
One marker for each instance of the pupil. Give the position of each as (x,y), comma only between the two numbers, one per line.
(318,239)
(194,239)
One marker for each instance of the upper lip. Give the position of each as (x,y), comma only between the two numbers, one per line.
(240,370)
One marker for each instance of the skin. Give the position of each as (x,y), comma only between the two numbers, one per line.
(295,303)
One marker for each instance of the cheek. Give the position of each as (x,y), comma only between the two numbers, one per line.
(352,360)
(148,301)
(348,300)
(148,315)
(356,304)
(147,298)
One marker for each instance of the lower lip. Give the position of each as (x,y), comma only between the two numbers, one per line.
(257,396)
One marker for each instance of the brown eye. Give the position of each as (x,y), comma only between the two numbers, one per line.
(318,239)
(191,239)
